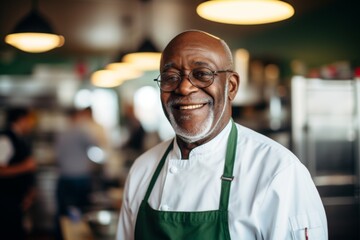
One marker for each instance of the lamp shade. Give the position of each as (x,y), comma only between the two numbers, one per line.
(245,12)
(147,58)
(115,74)
(34,34)
(106,79)
(125,70)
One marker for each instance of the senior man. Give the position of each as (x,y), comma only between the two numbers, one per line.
(216,179)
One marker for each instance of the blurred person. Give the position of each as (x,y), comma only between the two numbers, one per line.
(134,145)
(17,173)
(96,130)
(216,179)
(75,168)
(105,154)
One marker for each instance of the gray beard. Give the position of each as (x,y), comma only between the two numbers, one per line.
(200,132)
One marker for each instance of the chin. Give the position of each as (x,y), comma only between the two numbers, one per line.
(190,138)
(197,133)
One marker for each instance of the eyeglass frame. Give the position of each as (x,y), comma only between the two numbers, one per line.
(214,73)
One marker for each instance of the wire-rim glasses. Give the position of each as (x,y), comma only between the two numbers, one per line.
(201,77)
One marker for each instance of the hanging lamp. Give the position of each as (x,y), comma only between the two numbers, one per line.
(245,12)
(114,75)
(146,58)
(106,79)
(34,34)
(125,70)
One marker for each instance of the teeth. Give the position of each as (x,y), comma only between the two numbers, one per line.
(190,107)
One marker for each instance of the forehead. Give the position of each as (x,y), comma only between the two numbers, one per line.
(191,49)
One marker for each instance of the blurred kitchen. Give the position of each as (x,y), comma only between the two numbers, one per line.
(300,85)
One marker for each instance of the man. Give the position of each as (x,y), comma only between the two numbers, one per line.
(75,168)
(17,169)
(216,179)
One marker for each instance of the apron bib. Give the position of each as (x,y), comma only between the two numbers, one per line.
(173,225)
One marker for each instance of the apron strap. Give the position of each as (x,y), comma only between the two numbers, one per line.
(157,171)
(227,176)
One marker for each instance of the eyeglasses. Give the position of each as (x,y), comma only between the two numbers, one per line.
(202,77)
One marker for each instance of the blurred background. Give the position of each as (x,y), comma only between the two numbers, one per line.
(299,86)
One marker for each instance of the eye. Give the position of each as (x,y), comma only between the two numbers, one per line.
(202,74)
(169,78)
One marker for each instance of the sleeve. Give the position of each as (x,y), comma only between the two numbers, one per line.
(126,226)
(292,207)
(6,150)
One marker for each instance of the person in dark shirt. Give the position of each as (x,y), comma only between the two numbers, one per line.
(17,173)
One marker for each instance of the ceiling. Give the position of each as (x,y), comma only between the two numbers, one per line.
(106,28)
(98,31)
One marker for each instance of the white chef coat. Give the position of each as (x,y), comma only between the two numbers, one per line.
(272,196)
(6,150)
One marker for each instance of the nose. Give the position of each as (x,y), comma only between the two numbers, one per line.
(185,86)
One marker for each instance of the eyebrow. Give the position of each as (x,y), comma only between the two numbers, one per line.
(196,63)
(199,63)
(168,65)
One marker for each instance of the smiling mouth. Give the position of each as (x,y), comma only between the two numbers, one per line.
(190,107)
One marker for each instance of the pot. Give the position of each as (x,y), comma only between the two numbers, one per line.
(103,223)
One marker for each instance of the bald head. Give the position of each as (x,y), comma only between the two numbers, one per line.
(199,39)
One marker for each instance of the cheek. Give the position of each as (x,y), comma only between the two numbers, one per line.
(164,98)
(219,94)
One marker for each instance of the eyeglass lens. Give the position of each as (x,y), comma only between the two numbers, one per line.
(199,77)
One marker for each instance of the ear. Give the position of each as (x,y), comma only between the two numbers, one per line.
(234,81)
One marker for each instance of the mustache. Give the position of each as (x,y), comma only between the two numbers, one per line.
(186,100)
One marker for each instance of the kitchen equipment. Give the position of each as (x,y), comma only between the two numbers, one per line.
(103,223)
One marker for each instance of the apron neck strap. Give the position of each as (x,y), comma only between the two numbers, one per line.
(227,176)
(157,171)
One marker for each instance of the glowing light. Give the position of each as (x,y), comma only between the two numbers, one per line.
(96,154)
(125,70)
(145,61)
(106,79)
(83,98)
(245,12)
(35,42)
(104,217)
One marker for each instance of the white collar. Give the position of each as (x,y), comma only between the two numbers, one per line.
(218,142)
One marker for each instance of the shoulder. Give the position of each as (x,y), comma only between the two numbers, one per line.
(255,149)
(148,161)
(259,142)
(6,138)
(6,149)
(7,134)
(140,175)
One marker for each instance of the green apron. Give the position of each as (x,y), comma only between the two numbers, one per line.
(170,225)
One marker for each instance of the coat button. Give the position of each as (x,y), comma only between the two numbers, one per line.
(174,170)
(165,207)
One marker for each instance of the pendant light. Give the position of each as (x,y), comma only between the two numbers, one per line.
(146,58)
(245,12)
(115,74)
(106,79)
(34,34)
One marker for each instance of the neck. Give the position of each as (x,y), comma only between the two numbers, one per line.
(186,147)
